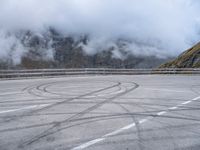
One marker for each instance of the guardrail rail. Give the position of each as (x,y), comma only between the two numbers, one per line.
(92,71)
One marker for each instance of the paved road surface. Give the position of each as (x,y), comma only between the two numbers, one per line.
(101,113)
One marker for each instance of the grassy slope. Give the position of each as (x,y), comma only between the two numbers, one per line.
(188,59)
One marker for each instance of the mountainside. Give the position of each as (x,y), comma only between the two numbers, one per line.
(188,59)
(53,50)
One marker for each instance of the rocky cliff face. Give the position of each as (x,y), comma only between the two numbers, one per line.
(188,59)
(52,50)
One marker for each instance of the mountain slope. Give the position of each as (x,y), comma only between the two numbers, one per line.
(188,59)
(54,50)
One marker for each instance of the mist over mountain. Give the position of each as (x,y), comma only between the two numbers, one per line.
(121,29)
(53,50)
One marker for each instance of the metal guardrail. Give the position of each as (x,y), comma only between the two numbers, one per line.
(92,71)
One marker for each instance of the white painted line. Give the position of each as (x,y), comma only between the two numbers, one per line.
(195,99)
(161,113)
(172,108)
(167,90)
(114,133)
(143,121)
(90,143)
(24,108)
(120,130)
(83,146)
(187,102)
(129,126)
(10,93)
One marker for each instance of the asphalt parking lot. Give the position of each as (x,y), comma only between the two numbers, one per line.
(141,112)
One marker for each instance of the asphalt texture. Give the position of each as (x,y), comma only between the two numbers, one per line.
(146,112)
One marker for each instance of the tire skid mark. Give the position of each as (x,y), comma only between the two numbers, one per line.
(137,124)
(161,113)
(102,117)
(54,129)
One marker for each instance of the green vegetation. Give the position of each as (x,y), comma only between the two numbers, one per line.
(188,59)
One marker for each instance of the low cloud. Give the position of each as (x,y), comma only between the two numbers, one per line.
(152,27)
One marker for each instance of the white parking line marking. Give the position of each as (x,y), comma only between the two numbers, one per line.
(161,113)
(143,121)
(172,108)
(90,143)
(187,102)
(24,108)
(10,93)
(197,98)
(168,90)
(120,130)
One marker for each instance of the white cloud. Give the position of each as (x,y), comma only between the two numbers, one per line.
(160,27)
(10,47)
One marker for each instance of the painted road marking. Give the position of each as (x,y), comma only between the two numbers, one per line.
(23,108)
(120,130)
(83,146)
(167,90)
(187,102)
(10,93)
(197,98)
(143,121)
(90,143)
(172,108)
(161,113)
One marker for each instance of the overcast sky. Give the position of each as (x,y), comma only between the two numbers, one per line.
(160,26)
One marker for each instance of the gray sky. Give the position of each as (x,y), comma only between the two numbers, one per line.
(162,27)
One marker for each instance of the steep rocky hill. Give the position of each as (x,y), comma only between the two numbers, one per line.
(188,59)
(53,50)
